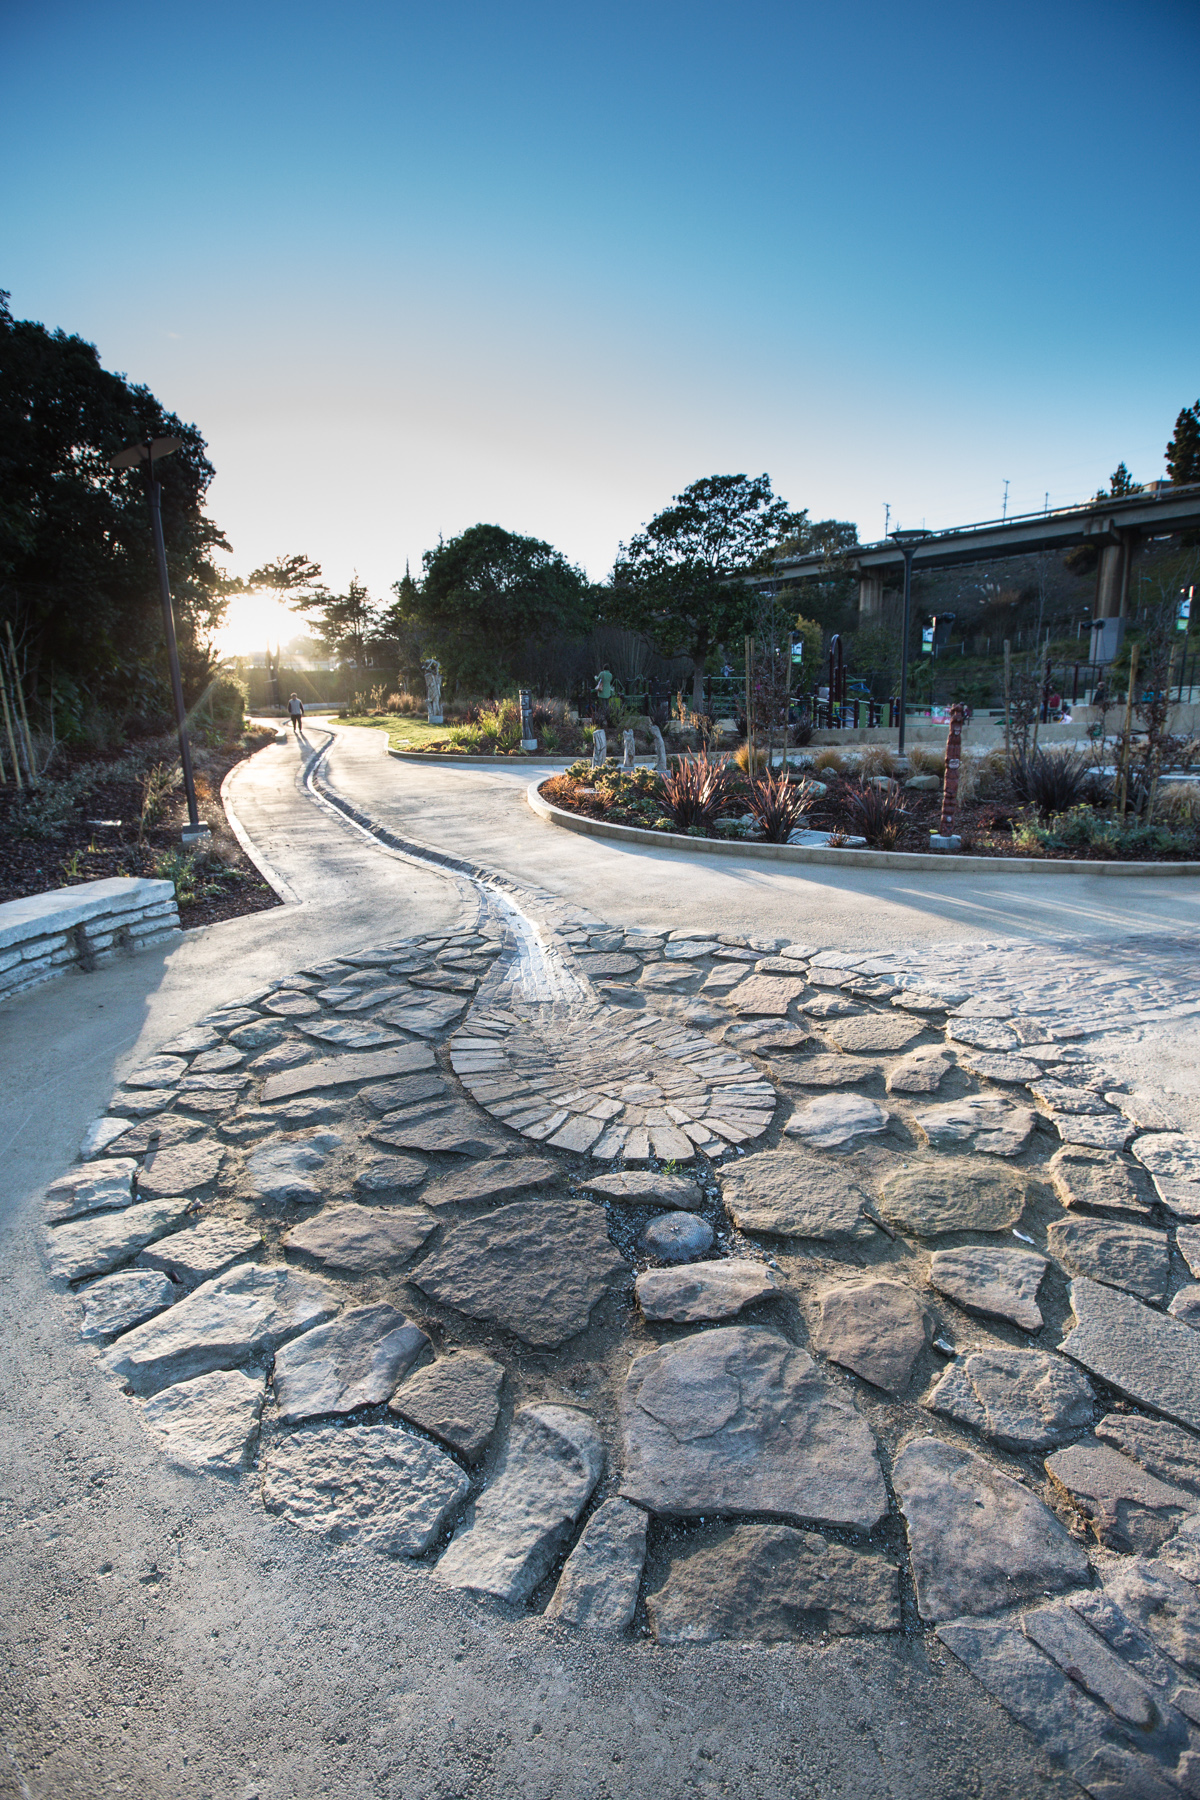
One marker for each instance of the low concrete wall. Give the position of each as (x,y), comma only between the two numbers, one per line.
(749,849)
(82,927)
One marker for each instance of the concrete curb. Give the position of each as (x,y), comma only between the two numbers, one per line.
(855,859)
(487,762)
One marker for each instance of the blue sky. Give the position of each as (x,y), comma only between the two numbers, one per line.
(409,266)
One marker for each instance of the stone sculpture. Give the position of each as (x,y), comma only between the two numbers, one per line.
(432,671)
(660,750)
(627,764)
(599,747)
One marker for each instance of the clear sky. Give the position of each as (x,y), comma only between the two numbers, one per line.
(413,265)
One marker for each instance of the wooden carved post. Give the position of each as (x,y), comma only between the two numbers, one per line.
(950,778)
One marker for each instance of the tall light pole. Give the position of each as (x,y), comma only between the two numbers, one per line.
(152,451)
(908,541)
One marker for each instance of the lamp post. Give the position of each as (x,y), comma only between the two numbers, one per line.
(152,451)
(908,541)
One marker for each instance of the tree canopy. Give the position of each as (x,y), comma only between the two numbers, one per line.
(482,597)
(681,578)
(1183,451)
(77,574)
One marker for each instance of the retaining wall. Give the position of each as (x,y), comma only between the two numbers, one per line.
(82,927)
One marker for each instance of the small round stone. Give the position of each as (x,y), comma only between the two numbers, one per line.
(677,1237)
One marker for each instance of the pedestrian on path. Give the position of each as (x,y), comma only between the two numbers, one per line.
(296,714)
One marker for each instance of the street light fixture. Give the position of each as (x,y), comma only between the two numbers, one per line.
(908,541)
(150,452)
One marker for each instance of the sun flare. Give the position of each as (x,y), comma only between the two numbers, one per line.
(255,620)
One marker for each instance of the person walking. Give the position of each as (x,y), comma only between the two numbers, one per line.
(296,714)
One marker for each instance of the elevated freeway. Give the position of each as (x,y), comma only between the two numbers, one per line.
(1116,525)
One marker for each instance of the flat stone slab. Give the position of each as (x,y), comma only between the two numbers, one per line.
(737,1420)
(1170,1153)
(1019,1399)
(180,1169)
(201,1251)
(211,1422)
(836,1119)
(920,1072)
(764,996)
(247,1312)
(285,1171)
(703,1290)
(1161,1448)
(789,1193)
(105,1185)
(984,1122)
(1083,1176)
(646,1187)
(1125,1256)
(598,1588)
(390,1174)
(1016,1070)
(117,1302)
(456,1399)
(456,1130)
(362,1239)
(355,1360)
(1179,1197)
(768,1037)
(1067,1636)
(1062,1097)
(762,1583)
(156,1071)
(545,1477)
(609,964)
(1110,1133)
(927,1199)
(94,1245)
(1128,1509)
(101,1134)
(822,1071)
(490,1180)
(350,1034)
(676,1237)
(374,1485)
(161,1133)
(979,1541)
(877,1329)
(998,1283)
(1159,1600)
(1187,1242)
(340,1071)
(1143,1354)
(406,1090)
(292,1005)
(428,1017)
(536,1267)
(886,1031)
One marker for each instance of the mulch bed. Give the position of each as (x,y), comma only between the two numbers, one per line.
(96,833)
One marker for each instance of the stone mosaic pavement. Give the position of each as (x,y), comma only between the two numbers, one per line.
(693,1289)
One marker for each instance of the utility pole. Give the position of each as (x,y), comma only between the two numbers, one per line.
(887,517)
(908,541)
(1004,508)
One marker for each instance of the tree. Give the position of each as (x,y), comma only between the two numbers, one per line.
(483,596)
(1183,451)
(290,576)
(681,578)
(77,575)
(345,623)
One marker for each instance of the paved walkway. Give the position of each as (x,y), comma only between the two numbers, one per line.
(171,1639)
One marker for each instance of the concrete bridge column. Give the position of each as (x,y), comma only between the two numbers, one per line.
(1112,597)
(870,596)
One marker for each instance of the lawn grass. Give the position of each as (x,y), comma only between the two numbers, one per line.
(406,734)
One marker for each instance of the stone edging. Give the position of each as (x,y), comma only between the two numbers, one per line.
(442,758)
(270,875)
(855,859)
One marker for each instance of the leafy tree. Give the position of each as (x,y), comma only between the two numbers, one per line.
(1183,451)
(78,580)
(681,578)
(1121,482)
(482,597)
(345,623)
(290,576)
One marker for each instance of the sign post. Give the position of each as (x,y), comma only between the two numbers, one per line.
(944,838)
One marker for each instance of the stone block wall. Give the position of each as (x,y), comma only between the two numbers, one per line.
(82,927)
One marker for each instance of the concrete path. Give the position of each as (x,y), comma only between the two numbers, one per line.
(163,1637)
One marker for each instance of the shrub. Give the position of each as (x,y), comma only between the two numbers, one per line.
(780,806)
(876,813)
(742,759)
(1081,828)
(697,791)
(559,790)
(802,734)
(877,759)
(831,760)
(1053,781)
(925,762)
(1179,803)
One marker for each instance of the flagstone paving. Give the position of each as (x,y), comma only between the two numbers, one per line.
(395,1240)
